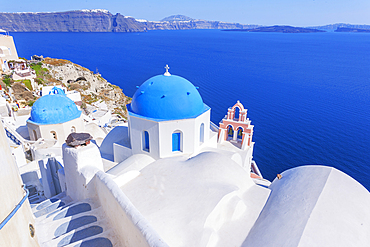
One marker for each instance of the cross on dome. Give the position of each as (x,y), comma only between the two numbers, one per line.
(167,73)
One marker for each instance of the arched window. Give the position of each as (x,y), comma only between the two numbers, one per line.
(177,141)
(230,131)
(34,134)
(201,137)
(236,115)
(240,133)
(54,135)
(145,141)
(73,129)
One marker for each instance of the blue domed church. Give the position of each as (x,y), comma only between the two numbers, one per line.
(54,116)
(167,117)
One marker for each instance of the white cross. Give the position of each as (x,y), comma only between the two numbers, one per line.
(167,68)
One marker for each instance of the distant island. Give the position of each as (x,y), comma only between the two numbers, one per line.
(352,30)
(333,27)
(100,20)
(279,29)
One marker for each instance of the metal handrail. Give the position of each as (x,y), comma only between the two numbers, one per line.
(12,213)
(26,143)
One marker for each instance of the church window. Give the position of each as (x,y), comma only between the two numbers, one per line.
(54,135)
(176,141)
(73,129)
(236,115)
(201,138)
(240,133)
(145,141)
(34,134)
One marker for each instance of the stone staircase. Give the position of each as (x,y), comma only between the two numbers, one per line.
(60,221)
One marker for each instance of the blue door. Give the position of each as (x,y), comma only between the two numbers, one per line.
(176,142)
(146,141)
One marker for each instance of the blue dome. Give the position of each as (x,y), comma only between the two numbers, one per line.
(167,97)
(54,109)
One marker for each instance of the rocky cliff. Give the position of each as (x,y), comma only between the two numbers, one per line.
(193,24)
(71,21)
(93,87)
(102,21)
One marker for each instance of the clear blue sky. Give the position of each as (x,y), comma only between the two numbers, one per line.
(264,12)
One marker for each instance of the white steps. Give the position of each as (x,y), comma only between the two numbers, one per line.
(60,221)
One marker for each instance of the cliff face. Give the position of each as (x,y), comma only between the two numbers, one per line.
(101,21)
(71,21)
(193,24)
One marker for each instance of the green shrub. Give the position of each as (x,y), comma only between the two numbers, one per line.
(7,80)
(39,81)
(27,83)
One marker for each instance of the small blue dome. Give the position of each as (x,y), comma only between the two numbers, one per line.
(167,97)
(54,109)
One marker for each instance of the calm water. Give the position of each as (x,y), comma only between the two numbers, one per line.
(308,95)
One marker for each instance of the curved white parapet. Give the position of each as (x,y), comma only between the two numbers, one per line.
(313,206)
(132,228)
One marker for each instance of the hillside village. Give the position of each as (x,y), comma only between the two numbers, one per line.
(44,72)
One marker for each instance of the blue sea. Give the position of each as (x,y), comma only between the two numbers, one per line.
(308,95)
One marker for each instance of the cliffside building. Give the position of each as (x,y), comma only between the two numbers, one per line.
(54,116)
(8,52)
(9,59)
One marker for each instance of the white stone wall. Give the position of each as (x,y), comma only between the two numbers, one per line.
(190,129)
(16,231)
(8,42)
(204,118)
(136,127)
(62,130)
(80,165)
(121,152)
(75,96)
(160,135)
(187,127)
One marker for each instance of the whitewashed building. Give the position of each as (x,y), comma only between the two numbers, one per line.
(54,116)
(167,117)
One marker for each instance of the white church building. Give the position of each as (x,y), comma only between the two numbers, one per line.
(168,118)
(54,116)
